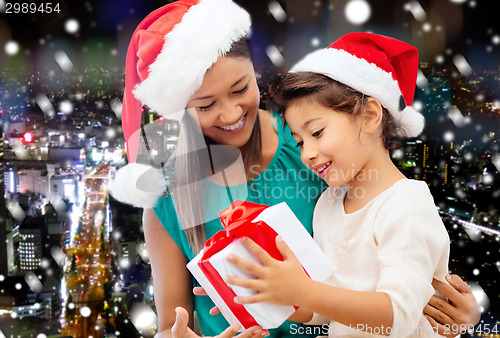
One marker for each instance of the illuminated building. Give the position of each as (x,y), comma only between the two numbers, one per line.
(3,210)
(31,241)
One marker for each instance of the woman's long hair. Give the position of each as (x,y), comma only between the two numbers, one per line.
(191,167)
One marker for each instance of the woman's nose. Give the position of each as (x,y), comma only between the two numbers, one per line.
(230,113)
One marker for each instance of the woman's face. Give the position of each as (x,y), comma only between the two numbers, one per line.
(227,102)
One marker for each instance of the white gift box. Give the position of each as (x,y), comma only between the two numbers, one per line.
(280,218)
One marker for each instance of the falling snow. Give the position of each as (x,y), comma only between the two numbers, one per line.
(11,48)
(275,55)
(33,282)
(357,12)
(63,61)
(416,10)
(277,11)
(457,117)
(72,26)
(45,105)
(448,136)
(422,81)
(462,65)
(85,311)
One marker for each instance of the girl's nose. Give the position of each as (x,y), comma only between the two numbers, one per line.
(308,154)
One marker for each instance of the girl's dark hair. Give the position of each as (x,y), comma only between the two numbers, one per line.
(328,93)
(190,205)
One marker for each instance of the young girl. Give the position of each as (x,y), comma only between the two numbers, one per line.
(381,230)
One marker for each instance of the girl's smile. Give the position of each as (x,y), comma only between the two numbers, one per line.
(322,169)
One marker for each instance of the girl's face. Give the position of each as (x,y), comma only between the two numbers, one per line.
(330,141)
(227,102)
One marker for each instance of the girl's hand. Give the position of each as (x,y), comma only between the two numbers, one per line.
(181,329)
(277,282)
(457,315)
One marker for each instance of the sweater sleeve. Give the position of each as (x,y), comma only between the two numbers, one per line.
(413,247)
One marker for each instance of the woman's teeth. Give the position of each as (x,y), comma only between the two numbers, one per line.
(234,126)
(324,167)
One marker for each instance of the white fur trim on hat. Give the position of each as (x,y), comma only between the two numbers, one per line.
(138,184)
(357,73)
(206,32)
(411,122)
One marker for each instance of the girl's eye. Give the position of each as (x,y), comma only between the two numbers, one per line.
(242,90)
(300,144)
(205,108)
(318,133)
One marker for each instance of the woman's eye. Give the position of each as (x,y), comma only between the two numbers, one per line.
(300,144)
(242,90)
(205,108)
(318,133)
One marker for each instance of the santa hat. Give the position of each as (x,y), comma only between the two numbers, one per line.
(378,66)
(167,58)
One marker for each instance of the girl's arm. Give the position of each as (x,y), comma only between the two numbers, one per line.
(285,283)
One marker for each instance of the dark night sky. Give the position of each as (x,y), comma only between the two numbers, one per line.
(468,27)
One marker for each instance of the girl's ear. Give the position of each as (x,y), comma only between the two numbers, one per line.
(372,117)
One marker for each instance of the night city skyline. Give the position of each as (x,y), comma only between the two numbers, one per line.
(75,261)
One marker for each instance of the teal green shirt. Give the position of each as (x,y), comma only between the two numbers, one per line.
(285,179)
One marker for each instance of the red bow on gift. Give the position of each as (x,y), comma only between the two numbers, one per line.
(237,222)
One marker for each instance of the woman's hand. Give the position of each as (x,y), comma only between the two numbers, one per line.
(277,282)
(199,291)
(181,329)
(457,315)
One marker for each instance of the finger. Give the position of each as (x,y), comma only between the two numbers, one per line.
(284,250)
(438,316)
(439,328)
(199,291)
(230,331)
(448,291)
(180,327)
(253,332)
(257,250)
(257,298)
(253,284)
(251,267)
(458,283)
(443,306)
(213,311)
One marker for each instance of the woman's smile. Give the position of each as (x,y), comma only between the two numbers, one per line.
(235,127)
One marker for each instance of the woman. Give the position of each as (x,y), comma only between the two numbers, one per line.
(194,55)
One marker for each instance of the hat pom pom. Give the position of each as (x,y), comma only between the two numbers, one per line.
(411,122)
(138,184)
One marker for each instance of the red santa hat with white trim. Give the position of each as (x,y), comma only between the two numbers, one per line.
(167,58)
(378,66)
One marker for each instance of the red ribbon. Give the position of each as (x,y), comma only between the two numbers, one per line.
(237,221)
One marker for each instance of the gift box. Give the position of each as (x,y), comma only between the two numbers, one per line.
(262,224)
